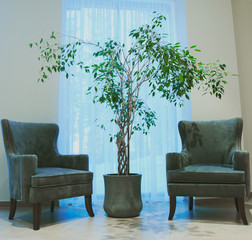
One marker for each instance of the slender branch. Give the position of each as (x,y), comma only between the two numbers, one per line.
(133,115)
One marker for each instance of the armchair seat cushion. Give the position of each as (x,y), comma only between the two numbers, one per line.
(206,173)
(47,177)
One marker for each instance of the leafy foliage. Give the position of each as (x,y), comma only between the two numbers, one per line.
(169,70)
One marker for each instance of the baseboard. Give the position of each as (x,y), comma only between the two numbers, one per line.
(25,204)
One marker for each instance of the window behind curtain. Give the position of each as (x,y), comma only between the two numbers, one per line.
(97,21)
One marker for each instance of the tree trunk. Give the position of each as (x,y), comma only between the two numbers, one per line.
(123,159)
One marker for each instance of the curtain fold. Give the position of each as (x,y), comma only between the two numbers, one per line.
(98,21)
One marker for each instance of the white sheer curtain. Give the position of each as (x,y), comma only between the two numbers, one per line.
(97,21)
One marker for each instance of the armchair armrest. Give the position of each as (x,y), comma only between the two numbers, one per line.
(79,162)
(240,161)
(176,161)
(21,168)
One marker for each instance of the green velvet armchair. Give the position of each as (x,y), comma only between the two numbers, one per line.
(38,173)
(211,164)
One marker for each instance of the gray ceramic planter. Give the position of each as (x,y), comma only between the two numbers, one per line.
(122,195)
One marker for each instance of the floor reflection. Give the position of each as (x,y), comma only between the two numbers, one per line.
(210,219)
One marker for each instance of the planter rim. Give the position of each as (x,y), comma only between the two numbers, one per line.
(117,175)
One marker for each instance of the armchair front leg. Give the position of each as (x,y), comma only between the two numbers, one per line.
(172,207)
(241,207)
(13,206)
(36,215)
(88,204)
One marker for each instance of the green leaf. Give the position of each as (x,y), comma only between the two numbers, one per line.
(102,99)
(49,69)
(222,66)
(53,36)
(136,35)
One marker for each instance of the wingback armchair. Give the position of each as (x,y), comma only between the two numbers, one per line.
(38,173)
(211,163)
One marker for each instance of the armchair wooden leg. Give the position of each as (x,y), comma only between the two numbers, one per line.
(236,204)
(88,204)
(190,203)
(13,205)
(172,207)
(52,206)
(242,210)
(36,215)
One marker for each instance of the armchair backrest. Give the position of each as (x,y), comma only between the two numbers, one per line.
(31,138)
(211,142)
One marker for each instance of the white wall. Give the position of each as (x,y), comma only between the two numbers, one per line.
(242,12)
(210,27)
(21,97)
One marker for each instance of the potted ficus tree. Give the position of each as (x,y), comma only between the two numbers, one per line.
(168,70)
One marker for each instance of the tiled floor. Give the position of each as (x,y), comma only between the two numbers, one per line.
(211,219)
